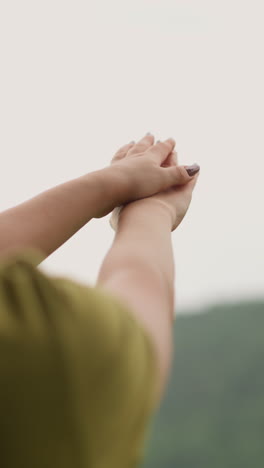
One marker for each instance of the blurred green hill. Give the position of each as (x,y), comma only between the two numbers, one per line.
(212,415)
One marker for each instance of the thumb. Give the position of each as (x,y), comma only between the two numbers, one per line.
(179,175)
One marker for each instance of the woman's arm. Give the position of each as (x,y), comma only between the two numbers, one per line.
(48,220)
(139,268)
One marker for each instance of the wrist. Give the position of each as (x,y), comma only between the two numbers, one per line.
(142,212)
(111,187)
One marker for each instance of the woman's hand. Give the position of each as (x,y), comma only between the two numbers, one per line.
(144,171)
(175,199)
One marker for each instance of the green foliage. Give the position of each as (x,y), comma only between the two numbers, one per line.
(212,415)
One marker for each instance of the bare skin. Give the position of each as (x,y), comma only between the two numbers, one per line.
(48,220)
(139,267)
(175,199)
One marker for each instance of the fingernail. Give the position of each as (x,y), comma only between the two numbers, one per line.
(192,170)
(148,133)
(158,141)
(132,142)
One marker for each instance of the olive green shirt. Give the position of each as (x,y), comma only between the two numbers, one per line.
(77,373)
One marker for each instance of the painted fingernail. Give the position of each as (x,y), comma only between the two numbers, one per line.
(158,141)
(148,133)
(132,142)
(192,170)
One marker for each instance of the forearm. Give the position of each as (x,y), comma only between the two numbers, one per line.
(49,219)
(143,239)
(139,268)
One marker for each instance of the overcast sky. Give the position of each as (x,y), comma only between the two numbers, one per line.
(79,79)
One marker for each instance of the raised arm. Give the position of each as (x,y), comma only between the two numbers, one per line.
(139,269)
(48,220)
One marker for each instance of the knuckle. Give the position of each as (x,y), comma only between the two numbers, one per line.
(118,155)
(119,152)
(167,144)
(123,149)
(140,147)
(162,145)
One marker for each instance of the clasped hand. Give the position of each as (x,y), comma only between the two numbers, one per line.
(150,171)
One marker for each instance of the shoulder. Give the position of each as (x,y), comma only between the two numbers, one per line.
(84,343)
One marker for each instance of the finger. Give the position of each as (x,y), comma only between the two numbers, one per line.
(177,176)
(190,185)
(115,217)
(175,158)
(142,145)
(171,160)
(193,182)
(122,152)
(161,150)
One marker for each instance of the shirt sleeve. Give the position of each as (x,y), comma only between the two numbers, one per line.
(77,373)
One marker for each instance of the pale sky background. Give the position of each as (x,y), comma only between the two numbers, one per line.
(79,79)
